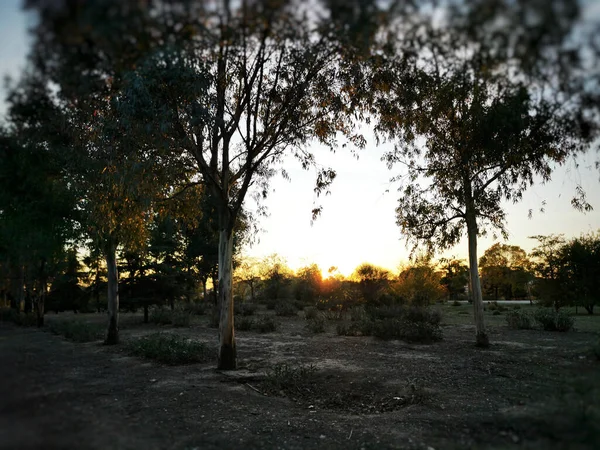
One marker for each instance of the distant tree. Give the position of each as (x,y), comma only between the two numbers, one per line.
(372,281)
(308,283)
(420,283)
(248,273)
(472,119)
(276,276)
(455,276)
(37,207)
(550,268)
(582,259)
(505,269)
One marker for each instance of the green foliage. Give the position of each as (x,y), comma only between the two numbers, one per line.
(197,308)
(310,312)
(519,320)
(181,318)
(21,319)
(286,309)
(171,349)
(245,309)
(77,330)
(455,276)
(265,324)
(505,271)
(456,303)
(551,320)
(411,324)
(244,323)
(159,315)
(420,284)
(287,377)
(372,280)
(307,284)
(316,324)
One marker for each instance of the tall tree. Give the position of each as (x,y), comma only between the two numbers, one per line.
(477,118)
(505,268)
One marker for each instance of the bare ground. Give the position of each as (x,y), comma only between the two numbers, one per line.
(530,390)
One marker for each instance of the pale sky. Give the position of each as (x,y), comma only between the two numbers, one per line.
(358,222)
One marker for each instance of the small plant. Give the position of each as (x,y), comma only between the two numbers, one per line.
(244,323)
(456,303)
(551,320)
(496,312)
(357,314)
(196,309)
(171,349)
(286,377)
(246,309)
(77,331)
(310,312)
(519,320)
(160,316)
(214,318)
(265,324)
(181,318)
(316,324)
(285,309)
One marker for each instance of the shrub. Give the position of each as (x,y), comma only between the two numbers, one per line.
(285,377)
(214,318)
(551,320)
(519,320)
(310,312)
(316,324)
(77,331)
(265,324)
(357,314)
(411,324)
(245,309)
(456,303)
(160,315)
(497,312)
(197,309)
(172,349)
(244,323)
(286,309)
(21,319)
(181,318)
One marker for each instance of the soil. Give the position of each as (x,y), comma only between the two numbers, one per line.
(296,390)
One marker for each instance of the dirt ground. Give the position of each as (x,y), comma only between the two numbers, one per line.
(530,390)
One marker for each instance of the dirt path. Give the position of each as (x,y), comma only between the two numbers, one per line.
(59,395)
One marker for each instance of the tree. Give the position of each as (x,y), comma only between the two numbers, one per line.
(505,268)
(455,276)
(582,260)
(549,266)
(308,283)
(85,53)
(372,281)
(248,272)
(37,208)
(276,276)
(474,122)
(420,283)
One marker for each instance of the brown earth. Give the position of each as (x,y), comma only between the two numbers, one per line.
(295,390)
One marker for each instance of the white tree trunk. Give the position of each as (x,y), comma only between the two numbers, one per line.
(227,349)
(481,335)
(112,335)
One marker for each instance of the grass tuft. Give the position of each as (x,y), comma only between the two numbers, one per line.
(172,349)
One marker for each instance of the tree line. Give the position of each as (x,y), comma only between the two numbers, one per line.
(139,129)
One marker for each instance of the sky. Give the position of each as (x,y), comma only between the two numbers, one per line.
(358,221)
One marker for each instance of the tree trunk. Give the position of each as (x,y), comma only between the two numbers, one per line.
(481,336)
(112,335)
(21,293)
(41,300)
(252,290)
(227,348)
(589,309)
